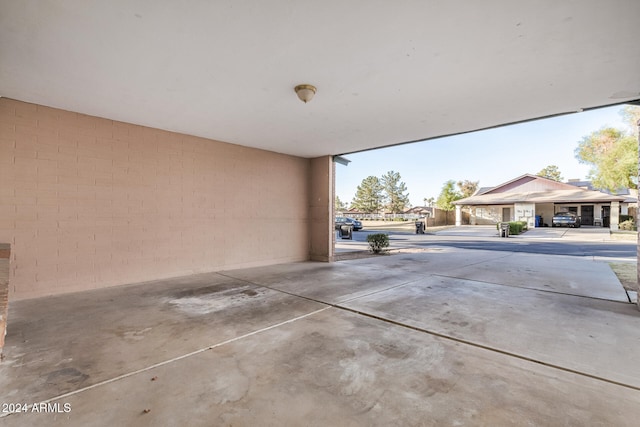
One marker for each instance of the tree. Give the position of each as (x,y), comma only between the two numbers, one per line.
(613,157)
(396,196)
(429,201)
(619,168)
(447,196)
(551,172)
(631,116)
(339,205)
(368,196)
(467,188)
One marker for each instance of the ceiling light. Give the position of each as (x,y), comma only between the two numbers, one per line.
(305,92)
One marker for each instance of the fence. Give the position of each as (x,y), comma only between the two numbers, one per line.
(438,218)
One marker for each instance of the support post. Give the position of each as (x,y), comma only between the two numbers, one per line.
(615,216)
(5,254)
(638,217)
(458,215)
(321,218)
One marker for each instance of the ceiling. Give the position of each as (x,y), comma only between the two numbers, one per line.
(387,72)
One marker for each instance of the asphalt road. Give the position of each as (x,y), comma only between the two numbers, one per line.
(607,249)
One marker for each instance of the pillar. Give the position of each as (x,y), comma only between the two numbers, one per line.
(615,216)
(458,215)
(5,252)
(638,217)
(321,198)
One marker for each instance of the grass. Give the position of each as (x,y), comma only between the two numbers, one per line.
(624,235)
(627,273)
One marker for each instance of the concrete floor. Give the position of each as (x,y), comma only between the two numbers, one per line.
(441,337)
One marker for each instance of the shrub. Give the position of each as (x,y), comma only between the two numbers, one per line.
(515,227)
(520,226)
(625,218)
(627,225)
(377,242)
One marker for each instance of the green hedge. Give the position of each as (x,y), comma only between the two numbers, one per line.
(515,227)
(624,218)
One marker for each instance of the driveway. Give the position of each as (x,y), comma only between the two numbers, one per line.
(441,336)
(585,241)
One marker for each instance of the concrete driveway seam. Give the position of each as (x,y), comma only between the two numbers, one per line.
(484,261)
(530,288)
(488,348)
(339,306)
(384,290)
(324,302)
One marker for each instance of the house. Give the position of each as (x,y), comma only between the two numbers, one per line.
(419,211)
(528,196)
(630,204)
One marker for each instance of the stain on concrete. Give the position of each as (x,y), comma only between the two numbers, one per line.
(66,375)
(391,350)
(229,386)
(212,299)
(205,290)
(135,335)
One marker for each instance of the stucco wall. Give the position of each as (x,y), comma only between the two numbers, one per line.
(486,215)
(87,202)
(525,212)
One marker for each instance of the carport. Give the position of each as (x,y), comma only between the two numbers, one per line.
(140,143)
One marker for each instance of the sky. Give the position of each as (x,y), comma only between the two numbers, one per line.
(491,156)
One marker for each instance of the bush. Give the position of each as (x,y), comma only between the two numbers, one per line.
(625,218)
(627,225)
(377,242)
(515,227)
(520,226)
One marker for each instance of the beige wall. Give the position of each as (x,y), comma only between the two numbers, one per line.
(489,215)
(87,202)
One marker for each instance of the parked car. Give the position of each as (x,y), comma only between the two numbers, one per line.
(341,220)
(568,219)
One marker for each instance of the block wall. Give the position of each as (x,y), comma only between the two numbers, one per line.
(87,202)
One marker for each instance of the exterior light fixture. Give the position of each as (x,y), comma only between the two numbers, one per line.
(305,92)
(341,160)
